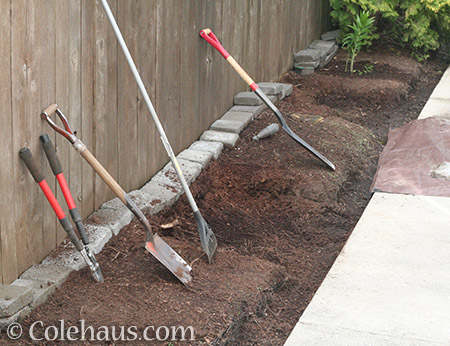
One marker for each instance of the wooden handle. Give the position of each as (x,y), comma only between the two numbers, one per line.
(242,73)
(207,31)
(103,173)
(50,109)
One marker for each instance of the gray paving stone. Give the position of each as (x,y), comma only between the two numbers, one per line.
(168,176)
(19,316)
(329,57)
(327,46)
(305,70)
(314,64)
(98,237)
(270,88)
(247,98)
(51,274)
(198,156)
(255,110)
(243,117)
(215,148)
(113,215)
(67,256)
(41,290)
(287,90)
(161,195)
(228,139)
(436,108)
(309,56)
(13,298)
(330,35)
(227,126)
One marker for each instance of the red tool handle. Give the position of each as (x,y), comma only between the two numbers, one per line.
(209,36)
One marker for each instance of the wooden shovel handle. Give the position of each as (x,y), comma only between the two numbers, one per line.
(50,109)
(103,173)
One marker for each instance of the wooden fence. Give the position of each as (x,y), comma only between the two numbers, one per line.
(64,51)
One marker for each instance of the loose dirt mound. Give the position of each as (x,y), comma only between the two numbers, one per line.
(280,216)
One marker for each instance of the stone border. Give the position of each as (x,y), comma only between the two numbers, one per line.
(37,283)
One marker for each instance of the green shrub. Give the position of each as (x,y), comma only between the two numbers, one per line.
(360,34)
(424,25)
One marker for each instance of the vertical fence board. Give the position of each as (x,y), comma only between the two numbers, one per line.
(8,262)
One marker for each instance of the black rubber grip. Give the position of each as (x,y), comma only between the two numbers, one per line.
(76,217)
(51,154)
(65,223)
(27,158)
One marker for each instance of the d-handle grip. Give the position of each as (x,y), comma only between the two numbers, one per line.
(209,37)
(50,109)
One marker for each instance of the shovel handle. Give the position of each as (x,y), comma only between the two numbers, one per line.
(103,173)
(209,37)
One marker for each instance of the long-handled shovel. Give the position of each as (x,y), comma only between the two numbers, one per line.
(209,37)
(153,243)
(207,237)
(88,256)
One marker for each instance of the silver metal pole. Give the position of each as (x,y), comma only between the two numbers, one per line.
(149,104)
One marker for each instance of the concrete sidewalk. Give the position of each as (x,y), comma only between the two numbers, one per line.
(390,285)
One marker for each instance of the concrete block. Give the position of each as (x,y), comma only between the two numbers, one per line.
(66,256)
(198,156)
(47,273)
(215,148)
(247,98)
(287,90)
(255,110)
(13,298)
(17,317)
(113,215)
(270,88)
(228,139)
(168,175)
(227,126)
(436,108)
(305,71)
(309,56)
(41,290)
(314,64)
(161,195)
(242,117)
(98,237)
(327,46)
(329,57)
(330,35)
(441,91)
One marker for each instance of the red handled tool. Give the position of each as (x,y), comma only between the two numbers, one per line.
(153,243)
(209,37)
(88,256)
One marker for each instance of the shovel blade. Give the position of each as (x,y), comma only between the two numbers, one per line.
(207,236)
(170,259)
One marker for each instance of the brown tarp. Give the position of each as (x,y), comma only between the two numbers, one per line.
(412,152)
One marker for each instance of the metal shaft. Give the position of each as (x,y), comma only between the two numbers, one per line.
(149,104)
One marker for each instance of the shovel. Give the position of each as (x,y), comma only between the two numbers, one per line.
(207,237)
(153,243)
(85,251)
(209,37)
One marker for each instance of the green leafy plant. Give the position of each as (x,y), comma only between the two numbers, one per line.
(368,68)
(361,34)
(423,25)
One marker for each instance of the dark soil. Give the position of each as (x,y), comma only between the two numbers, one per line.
(280,216)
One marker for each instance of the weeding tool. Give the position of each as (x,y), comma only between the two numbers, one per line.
(209,37)
(88,256)
(207,237)
(153,243)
